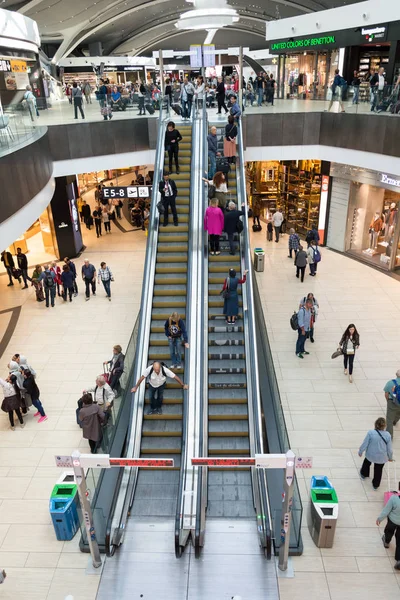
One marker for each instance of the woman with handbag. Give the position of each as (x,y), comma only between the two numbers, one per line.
(221,188)
(349,343)
(12,400)
(230,140)
(377,446)
(230,296)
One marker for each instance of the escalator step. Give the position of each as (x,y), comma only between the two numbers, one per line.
(162,427)
(227,381)
(216,312)
(173,247)
(162,314)
(225,367)
(216,301)
(173,289)
(219,326)
(161,445)
(171,233)
(170,278)
(159,354)
(226,396)
(225,259)
(227,411)
(172,257)
(228,427)
(225,339)
(223,268)
(218,354)
(228,446)
(215,289)
(170,301)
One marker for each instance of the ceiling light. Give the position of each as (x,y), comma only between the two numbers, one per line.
(202,17)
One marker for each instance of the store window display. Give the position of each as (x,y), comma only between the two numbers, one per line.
(373,225)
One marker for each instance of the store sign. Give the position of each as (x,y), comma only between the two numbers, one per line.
(5,65)
(372,34)
(326,40)
(389,180)
(114,68)
(18,66)
(137,191)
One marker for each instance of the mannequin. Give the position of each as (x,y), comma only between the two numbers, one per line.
(374,229)
(391,222)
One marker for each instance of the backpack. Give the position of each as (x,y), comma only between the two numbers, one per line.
(152,369)
(49,281)
(396,391)
(316,255)
(211,191)
(174,330)
(309,236)
(294,321)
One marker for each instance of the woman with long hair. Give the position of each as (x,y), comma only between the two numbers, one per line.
(199,91)
(349,343)
(231,298)
(230,139)
(221,188)
(12,400)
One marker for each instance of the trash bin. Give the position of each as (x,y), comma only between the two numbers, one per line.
(259,257)
(320,482)
(323,514)
(64,510)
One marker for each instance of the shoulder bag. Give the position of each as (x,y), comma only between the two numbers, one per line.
(225,293)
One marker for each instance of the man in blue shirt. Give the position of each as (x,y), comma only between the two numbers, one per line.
(89,277)
(393,404)
(116,100)
(235,108)
(304,325)
(49,283)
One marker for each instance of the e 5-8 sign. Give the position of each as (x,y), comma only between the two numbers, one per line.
(132,191)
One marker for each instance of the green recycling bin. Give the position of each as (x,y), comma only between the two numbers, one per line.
(322,516)
(259,258)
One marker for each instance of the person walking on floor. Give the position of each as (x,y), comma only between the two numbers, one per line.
(214,224)
(220,93)
(187,95)
(168,190)
(338,90)
(67,280)
(312,234)
(12,401)
(89,277)
(38,284)
(377,446)
(98,219)
(57,276)
(270,230)
(349,343)
(49,283)
(294,243)
(314,312)
(392,395)
(106,220)
(300,262)
(87,90)
(277,219)
(106,277)
(72,268)
(77,99)
(256,208)
(231,298)
(304,322)
(156,376)
(175,331)
(23,265)
(212,143)
(91,418)
(172,139)
(32,389)
(7,259)
(314,257)
(392,513)
(231,220)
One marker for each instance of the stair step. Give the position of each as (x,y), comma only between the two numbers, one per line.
(224,381)
(178,270)
(156,353)
(172,247)
(215,289)
(227,396)
(171,301)
(228,428)
(216,301)
(160,427)
(217,310)
(225,367)
(225,258)
(221,412)
(172,289)
(158,314)
(170,411)
(173,233)
(223,268)
(228,446)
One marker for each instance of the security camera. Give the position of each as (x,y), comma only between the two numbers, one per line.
(293,29)
(365,15)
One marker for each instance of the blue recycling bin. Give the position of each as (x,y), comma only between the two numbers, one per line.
(64,512)
(320,482)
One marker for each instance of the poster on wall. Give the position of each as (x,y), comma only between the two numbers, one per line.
(16,81)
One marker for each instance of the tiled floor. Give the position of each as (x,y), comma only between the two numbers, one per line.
(66,345)
(327,417)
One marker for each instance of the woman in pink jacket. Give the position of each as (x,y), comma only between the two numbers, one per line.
(214,224)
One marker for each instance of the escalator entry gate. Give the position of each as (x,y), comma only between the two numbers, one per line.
(323,512)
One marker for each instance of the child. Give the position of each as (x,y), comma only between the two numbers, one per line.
(269,231)
(294,243)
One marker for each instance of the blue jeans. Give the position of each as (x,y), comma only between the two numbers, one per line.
(50,293)
(38,405)
(301,339)
(186,108)
(213,164)
(260,93)
(175,351)
(107,287)
(356,94)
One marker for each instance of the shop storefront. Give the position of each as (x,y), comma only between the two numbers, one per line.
(295,187)
(116,74)
(306,66)
(39,242)
(367,203)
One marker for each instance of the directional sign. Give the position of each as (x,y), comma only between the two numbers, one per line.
(142,462)
(304,462)
(131,191)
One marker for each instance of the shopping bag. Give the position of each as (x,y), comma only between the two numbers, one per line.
(391,492)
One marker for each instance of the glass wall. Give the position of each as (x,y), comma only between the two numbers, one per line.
(373,225)
(307,75)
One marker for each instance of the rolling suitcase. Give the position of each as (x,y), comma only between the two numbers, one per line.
(257,227)
(177,108)
(150,109)
(223,165)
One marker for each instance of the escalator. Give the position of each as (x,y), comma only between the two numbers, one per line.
(156,489)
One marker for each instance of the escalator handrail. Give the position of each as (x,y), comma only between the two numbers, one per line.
(203,431)
(127,483)
(190,375)
(253,385)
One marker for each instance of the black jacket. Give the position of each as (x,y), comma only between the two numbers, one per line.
(22,261)
(173,187)
(86,210)
(10,259)
(221,89)
(230,131)
(172,135)
(31,387)
(374,80)
(231,218)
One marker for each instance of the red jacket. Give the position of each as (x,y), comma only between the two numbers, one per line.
(57,273)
